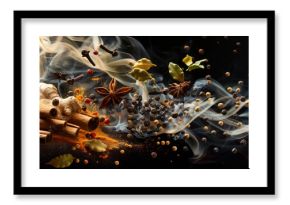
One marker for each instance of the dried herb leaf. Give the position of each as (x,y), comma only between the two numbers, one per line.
(196,65)
(188,60)
(144,64)
(96,145)
(140,74)
(176,72)
(62,161)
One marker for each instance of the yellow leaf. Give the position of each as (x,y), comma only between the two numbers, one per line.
(176,72)
(140,74)
(187,60)
(96,145)
(144,64)
(62,161)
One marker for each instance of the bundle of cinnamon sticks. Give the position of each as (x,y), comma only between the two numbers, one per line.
(51,123)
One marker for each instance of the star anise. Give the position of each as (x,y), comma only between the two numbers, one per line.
(112,94)
(179,89)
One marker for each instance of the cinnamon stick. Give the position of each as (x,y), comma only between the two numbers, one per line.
(70,130)
(84,121)
(44,136)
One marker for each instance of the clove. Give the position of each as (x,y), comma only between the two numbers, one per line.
(86,54)
(72,80)
(113,53)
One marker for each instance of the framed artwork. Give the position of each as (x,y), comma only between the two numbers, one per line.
(144,102)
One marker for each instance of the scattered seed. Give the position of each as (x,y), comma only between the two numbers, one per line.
(70,93)
(174,115)
(186,136)
(122,151)
(162,142)
(234,150)
(92,96)
(156,122)
(86,161)
(221,123)
(235,95)
(185,149)
(186,47)
(227,74)
(157,98)
(204,139)
(221,105)
(213,132)
(153,155)
(224,111)
(205,128)
(117,163)
(216,149)
(170,119)
(167,142)
(239,124)
(229,89)
(208,94)
(208,77)
(174,148)
(197,109)
(201,93)
(243,142)
(201,51)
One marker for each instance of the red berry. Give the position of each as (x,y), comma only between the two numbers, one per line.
(107,121)
(88,100)
(95,52)
(93,134)
(90,72)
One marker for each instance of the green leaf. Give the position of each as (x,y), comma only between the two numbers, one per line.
(140,74)
(96,145)
(176,72)
(196,65)
(62,161)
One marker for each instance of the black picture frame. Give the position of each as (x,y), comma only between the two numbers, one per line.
(270,18)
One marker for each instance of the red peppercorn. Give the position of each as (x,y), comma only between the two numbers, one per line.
(93,134)
(95,52)
(88,100)
(90,71)
(107,121)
